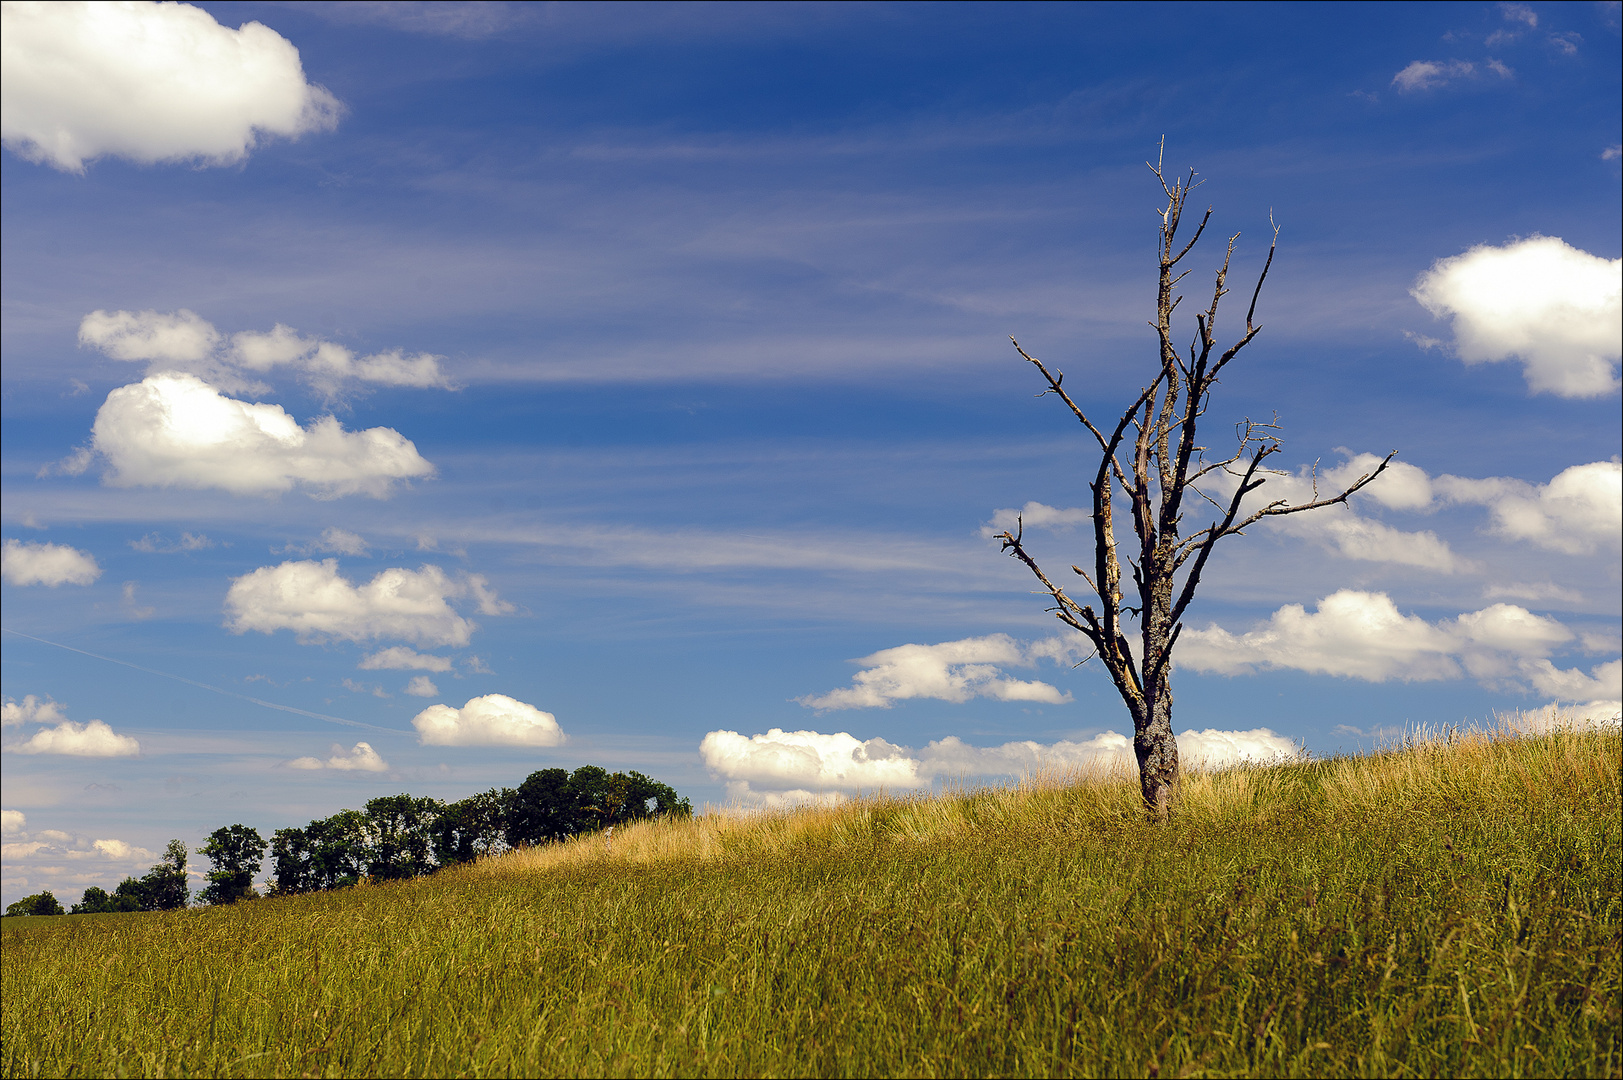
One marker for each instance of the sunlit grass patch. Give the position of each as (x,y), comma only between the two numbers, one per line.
(1447,907)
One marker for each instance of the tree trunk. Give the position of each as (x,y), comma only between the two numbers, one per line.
(1157,750)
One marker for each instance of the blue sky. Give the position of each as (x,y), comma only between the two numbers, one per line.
(688,328)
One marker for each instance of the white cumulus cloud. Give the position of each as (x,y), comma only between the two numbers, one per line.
(93,739)
(175,430)
(1579,511)
(359,758)
(1604,681)
(1363,635)
(808,759)
(120,849)
(1555,308)
(400,658)
(949,671)
(422,686)
(1341,527)
(149,82)
(318,604)
(12,822)
(51,565)
(491,720)
(30,710)
(182,341)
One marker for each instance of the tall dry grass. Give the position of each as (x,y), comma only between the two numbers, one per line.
(1445,907)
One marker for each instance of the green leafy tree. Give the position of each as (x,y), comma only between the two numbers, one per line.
(236,852)
(340,847)
(401,828)
(290,863)
(554,805)
(39,904)
(472,827)
(166,887)
(541,809)
(131,895)
(95,901)
(329,853)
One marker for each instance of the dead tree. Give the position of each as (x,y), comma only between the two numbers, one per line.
(1159,480)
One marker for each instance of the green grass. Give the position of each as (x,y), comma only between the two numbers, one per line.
(1451,909)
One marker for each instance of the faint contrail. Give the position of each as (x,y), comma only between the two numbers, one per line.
(206,686)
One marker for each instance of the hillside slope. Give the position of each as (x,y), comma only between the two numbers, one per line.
(1450,908)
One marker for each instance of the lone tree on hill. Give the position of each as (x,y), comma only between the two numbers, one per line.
(1164,464)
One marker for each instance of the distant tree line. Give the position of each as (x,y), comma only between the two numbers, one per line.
(393,838)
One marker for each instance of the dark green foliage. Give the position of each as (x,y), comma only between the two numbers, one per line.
(554,805)
(98,901)
(401,831)
(236,852)
(469,828)
(39,904)
(95,901)
(165,884)
(543,808)
(131,895)
(329,853)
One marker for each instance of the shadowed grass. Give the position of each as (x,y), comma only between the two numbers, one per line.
(1448,908)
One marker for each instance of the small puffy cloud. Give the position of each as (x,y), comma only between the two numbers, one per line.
(119,849)
(318,604)
(182,341)
(422,686)
(400,658)
(950,671)
(1604,681)
(175,430)
(1430,74)
(341,542)
(30,710)
(34,563)
(799,766)
(1400,486)
(1555,308)
(1341,527)
(808,759)
(1034,515)
(1357,634)
(179,338)
(94,739)
(149,82)
(1363,635)
(1579,511)
(491,720)
(1566,43)
(12,822)
(359,758)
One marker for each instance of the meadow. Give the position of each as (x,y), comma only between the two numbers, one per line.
(1449,907)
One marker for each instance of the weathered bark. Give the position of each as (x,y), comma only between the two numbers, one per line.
(1165,465)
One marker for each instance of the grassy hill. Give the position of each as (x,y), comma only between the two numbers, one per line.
(1449,908)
